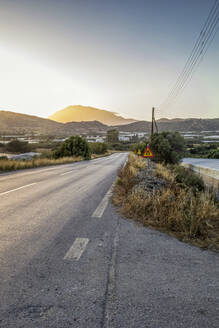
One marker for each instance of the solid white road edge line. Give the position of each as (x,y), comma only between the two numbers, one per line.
(103,204)
(7,192)
(77,249)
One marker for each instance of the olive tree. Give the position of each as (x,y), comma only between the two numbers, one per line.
(168,147)
(74,146)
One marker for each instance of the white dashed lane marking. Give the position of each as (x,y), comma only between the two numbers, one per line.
(9,191)
(77,249)
(103,204)
(67,172)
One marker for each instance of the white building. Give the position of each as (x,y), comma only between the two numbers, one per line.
(95,139)
(127,136)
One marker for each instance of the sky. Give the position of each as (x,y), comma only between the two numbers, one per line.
(119,55)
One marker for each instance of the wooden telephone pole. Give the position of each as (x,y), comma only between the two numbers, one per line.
(153,123)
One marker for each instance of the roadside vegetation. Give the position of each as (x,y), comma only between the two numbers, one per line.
(168,147)
(99,148)
(195,147)
(11,165)
(181,207)
(115,144)
(72,150)
(73,146)
(198,149)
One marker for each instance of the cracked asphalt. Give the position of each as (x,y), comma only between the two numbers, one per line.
(125,276)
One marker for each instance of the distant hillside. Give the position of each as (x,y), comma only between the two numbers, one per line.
(14,123)
(181,125)
(82,113)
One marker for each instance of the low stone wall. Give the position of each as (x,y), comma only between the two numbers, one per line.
(210,176)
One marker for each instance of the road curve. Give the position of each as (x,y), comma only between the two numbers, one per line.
(68,260)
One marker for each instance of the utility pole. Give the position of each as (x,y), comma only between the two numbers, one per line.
(153,123)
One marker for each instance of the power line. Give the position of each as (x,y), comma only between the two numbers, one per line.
(194,69)
(196,61)
(195,58)
(196,46)
(199,50)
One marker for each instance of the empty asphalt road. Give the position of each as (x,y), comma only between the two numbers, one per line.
(67,259)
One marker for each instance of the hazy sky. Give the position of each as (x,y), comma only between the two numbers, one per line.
(120,55)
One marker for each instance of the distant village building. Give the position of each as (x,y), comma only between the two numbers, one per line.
(134,136)
(125,137)
(59,139)
(141,134)
(95,138)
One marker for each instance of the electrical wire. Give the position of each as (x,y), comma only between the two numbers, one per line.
(199,50)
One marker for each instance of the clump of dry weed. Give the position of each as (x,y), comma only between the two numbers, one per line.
(126,178)
(164,173)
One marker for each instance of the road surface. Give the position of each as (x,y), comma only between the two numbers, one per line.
(208,163)
(67,259)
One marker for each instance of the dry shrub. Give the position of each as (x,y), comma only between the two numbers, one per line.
(126,178)
(184,177)
(108,153)
(136,161)
(10,165)
(190,216)
(164,173)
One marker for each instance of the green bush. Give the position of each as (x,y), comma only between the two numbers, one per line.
(141,145)
(112,136)
(168,147)
(98,147)
(16,146)
(73,146)
(188,178)
(205,150)
(214,154)
(121,146)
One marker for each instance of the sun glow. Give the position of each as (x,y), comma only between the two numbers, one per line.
(30,87)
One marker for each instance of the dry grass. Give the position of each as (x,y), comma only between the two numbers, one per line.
(11,165)
(190,217)
(108,153)
(164,173)
(126,177)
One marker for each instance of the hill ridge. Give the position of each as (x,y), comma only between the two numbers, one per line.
(16,123)
(78,113)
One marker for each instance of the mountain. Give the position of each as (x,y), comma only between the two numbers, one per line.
(178,124)
(82,113)
(14,123)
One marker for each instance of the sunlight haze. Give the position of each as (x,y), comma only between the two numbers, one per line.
(123,56)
